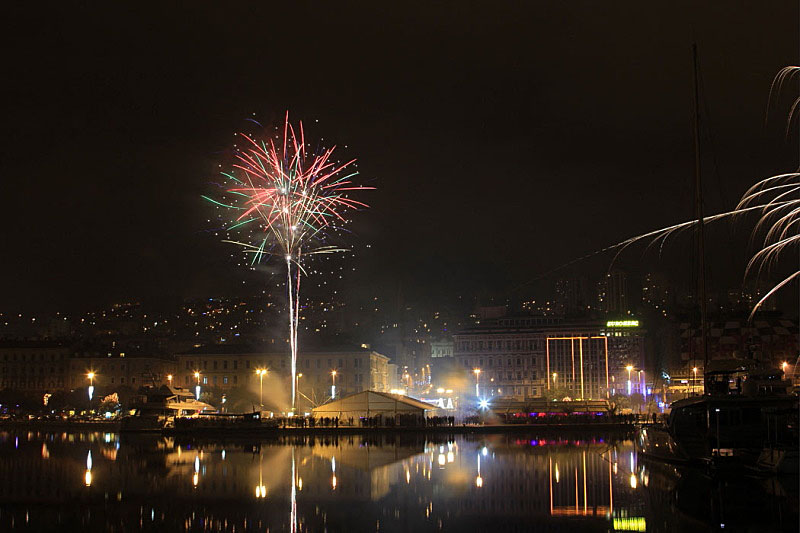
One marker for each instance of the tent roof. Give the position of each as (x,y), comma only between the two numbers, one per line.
(374,401)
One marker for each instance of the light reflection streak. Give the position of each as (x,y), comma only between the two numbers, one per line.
(293,509)
(87,478)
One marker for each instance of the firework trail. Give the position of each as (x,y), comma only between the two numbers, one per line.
(776,199)
(285,199)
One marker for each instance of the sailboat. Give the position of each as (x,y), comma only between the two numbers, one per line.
(745,405)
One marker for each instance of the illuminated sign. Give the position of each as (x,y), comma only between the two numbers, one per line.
(622,324)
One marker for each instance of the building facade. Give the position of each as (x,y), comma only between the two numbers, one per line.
(534,356)
(229,366)
(115,371)
(35,366)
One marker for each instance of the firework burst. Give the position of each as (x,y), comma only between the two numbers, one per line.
(285,199)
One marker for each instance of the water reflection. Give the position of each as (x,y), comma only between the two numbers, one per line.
(378,483)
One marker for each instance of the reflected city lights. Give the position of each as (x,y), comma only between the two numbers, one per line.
(573,479)
(87,478)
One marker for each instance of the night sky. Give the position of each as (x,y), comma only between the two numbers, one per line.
(505,139)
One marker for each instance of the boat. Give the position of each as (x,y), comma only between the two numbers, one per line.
(746,408)
(157,408)
(746,405)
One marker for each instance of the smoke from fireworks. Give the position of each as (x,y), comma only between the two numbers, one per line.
(285,199)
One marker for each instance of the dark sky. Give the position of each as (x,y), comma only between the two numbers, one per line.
(505,138)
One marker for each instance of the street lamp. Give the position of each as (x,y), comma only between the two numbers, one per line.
(477,372)
(169,379)
(261,372)
(555,376)
(90,375)
(333,384)
(694,380)
(629,368)
(197,388)
(643,384)
(297,389)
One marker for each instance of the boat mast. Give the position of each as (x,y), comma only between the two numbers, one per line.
(699,214)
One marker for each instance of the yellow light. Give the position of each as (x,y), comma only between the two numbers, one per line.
(633,481)
(476,371)
(622,324)
(630,523)
(195,479)
(479,482)
(442,459)
(629,368)
(333,483)
(440,390)
(299,483)
(784,365)
(333,372)
(197,375)
(90,375)
(88,478)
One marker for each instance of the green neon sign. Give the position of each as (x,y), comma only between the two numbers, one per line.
(622,324)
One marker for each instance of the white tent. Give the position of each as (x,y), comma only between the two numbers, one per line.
(370,403)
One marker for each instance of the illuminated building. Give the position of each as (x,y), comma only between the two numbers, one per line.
(626,347)
(227,366)
(512,353)
(120,370)
(572,296)
(441,348)
(612,293)
(579,365)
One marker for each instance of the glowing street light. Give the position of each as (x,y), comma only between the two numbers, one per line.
(297,389)
(555,376)
(629,368)
(477,372)
(333,384)
(90,375)
(694,380)
(169,379)
(261,372)
(643,384)
(783,366)
(197,388)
